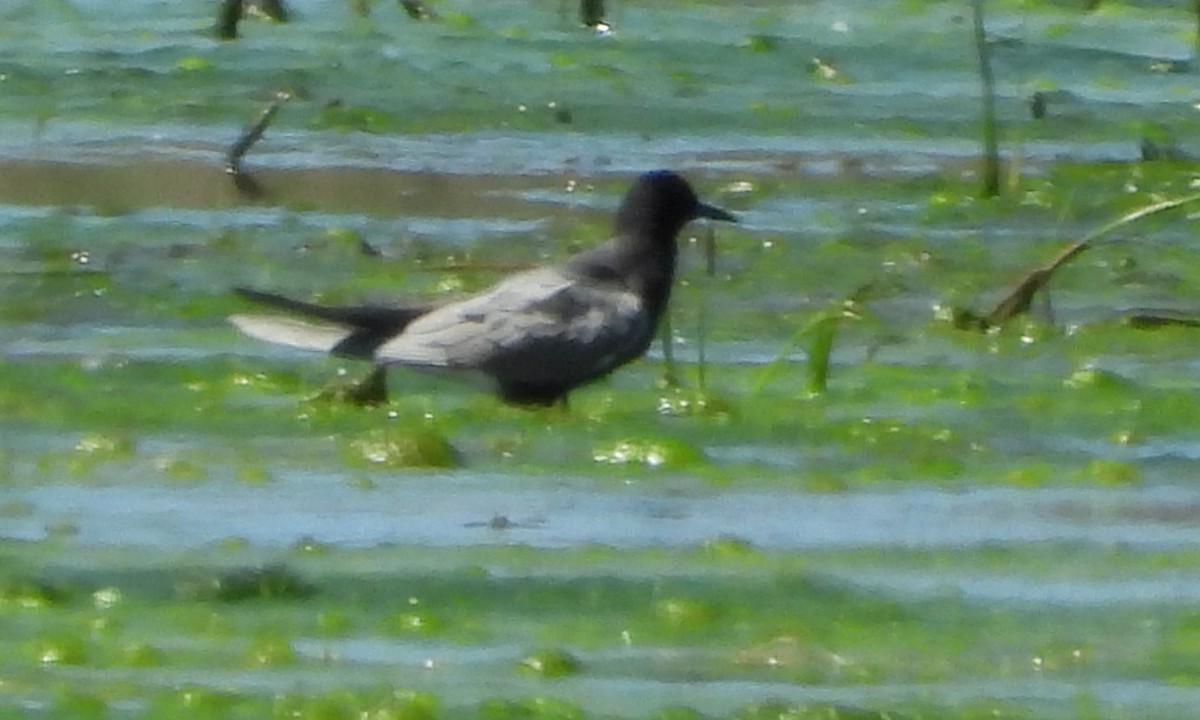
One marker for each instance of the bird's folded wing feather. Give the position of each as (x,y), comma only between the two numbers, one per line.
(321,337)
(531,317)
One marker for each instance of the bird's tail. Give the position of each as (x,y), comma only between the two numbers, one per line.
(351,331)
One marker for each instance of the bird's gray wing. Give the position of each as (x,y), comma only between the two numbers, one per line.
(545,324)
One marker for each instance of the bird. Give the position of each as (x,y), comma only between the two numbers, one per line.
(537,334)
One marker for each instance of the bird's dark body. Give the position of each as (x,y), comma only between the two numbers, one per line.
(537,334)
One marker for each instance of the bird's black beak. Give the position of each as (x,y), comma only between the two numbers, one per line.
(714,213)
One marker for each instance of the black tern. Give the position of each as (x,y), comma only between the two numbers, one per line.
(537,334)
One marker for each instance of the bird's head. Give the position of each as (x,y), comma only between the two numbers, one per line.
(659,204)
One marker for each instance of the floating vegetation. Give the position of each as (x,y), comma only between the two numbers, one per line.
(370,391)
(61,651)
(179,469)
(841,506)
(824,70)
(762,43)
(30,595)
(101,446)
(1111,473)
(418,10)
(551,663)
(685,614)
(344,118)
(414,623)
(270,651)
(650,453)
(375,703)
(269,582)
(398,448)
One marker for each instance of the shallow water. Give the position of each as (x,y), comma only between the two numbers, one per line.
(566,513)
(962,525)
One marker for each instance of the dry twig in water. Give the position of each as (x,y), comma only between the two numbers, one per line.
(1018,301)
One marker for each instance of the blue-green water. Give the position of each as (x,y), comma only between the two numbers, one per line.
(962,525)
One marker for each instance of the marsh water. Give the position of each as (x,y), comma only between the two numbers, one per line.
(956,524)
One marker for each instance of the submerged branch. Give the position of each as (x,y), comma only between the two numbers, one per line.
(252,134)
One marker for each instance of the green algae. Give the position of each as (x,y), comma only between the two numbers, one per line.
(949,421)
(272,582)
(122,377)
(551,663)
(669,453)
(402,449)
(800,627)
